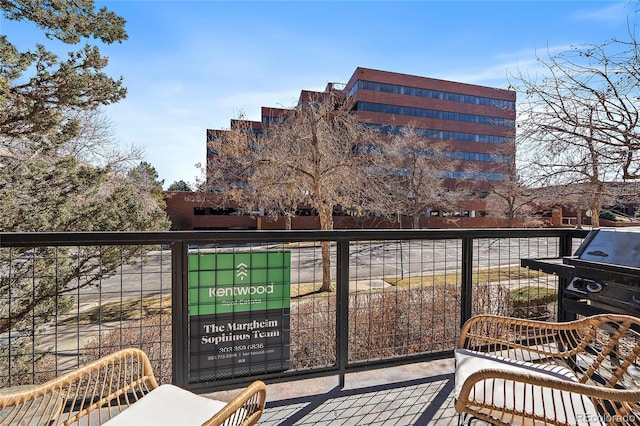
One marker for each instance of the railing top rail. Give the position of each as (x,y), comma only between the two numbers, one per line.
(23,239)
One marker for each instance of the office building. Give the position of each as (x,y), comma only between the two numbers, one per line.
(475,125)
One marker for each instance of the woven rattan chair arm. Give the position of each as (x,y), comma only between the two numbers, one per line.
(593,320)
(478,329)
(593,392)
(77,384)
(602,352)
(65,379)
(485,321)
(243,410)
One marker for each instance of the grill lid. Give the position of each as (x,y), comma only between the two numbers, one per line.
(609,251)
(613,247)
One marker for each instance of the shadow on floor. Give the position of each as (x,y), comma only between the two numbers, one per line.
(424,401)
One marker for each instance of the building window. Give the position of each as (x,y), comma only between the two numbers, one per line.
(434,113)
(465,156)
(459,174)
(209,211)
(431,94)
(441,134)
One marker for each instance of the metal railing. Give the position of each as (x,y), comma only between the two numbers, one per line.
(397,296)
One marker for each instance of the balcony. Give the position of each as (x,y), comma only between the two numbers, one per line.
(376,349)
(416,394)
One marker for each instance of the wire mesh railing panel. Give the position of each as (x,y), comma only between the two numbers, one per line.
(65,306)
(404,298)
(313,305)
(502,287)
(271,308)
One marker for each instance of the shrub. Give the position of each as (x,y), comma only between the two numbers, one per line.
(532,301)
(389,323)
(381,324)
(490,299)
(147,334)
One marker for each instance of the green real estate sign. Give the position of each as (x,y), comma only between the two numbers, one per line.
(239,313)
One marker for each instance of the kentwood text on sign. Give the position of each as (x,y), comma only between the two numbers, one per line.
(239,313)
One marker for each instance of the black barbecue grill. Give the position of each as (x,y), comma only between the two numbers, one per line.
(603,276)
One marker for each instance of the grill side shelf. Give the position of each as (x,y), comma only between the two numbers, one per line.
(550,265)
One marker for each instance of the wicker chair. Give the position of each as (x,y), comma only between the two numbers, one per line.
(513,371)
(98,392)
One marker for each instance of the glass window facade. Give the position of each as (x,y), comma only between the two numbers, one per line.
(441,134)
(266,119)
(450,155)
(433,113)
(456,174)
(466,156)
(431,94)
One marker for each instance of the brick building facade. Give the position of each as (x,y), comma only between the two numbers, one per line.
(476,123)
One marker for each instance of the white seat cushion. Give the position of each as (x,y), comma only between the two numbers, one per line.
(168,405)
(562,406)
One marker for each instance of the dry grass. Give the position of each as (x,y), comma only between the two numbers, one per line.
(305,290)
(479,276)
(392,323)
(382,324)
(122,311)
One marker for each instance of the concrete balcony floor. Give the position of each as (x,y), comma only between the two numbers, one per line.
(414,394)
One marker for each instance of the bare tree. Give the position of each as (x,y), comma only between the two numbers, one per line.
(310,157)
(411,169)
(512,195)
(514,199)
(579,122)
(94,141)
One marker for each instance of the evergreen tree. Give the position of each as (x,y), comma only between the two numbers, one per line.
(179,185)
(59,171)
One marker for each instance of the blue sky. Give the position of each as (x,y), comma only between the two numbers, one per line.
(193,65)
